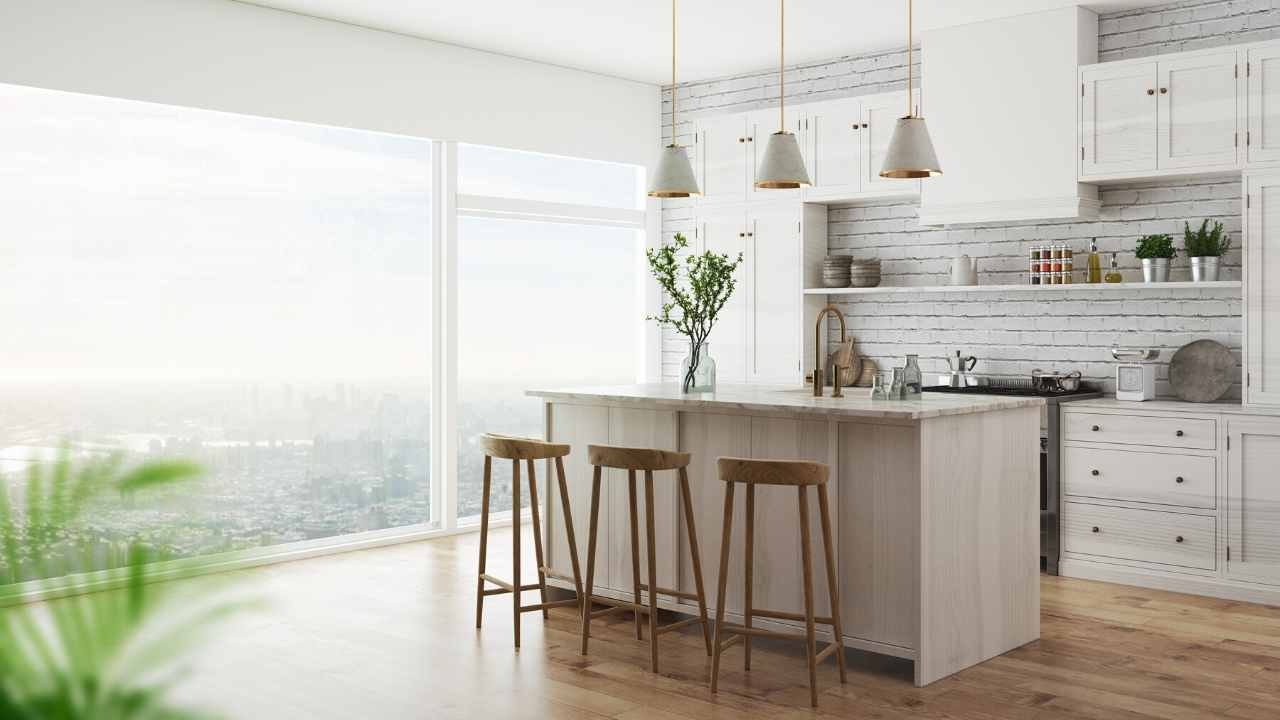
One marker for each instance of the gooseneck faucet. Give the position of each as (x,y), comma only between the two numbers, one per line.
(818,375)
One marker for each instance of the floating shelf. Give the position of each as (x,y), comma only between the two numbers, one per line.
(1075,287)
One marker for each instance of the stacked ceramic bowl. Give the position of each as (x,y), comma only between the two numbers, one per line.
(864,273)
(835,271)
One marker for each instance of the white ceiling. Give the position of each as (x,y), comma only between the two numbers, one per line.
(632,38)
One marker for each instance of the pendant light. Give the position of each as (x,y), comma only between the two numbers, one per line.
(672,175)
(783,166)
(910,152)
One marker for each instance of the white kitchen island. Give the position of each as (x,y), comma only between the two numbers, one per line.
(935,504)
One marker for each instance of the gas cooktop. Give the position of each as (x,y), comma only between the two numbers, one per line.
(1018,387)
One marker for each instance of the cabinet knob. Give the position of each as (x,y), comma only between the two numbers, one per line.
(742,139)
(1178,539)
(1164,91)
(1095,529)
(742,234)
(1178,480)
(749,139)
(1096,473)
(865,125)
(751,234)
(856,126)
(1095,428)
(1151,91)
(1179,433)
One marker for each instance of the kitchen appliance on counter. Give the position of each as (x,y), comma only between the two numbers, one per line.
(961,370)
(1135,376)
(1050,443)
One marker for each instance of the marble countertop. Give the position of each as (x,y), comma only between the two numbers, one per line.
(790,399)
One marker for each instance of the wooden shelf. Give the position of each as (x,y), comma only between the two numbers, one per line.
(1080,287)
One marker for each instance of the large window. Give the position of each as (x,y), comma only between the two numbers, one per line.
(294,308)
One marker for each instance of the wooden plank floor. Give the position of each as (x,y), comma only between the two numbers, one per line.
(388,633)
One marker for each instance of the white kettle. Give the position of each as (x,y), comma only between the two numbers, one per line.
(964,271)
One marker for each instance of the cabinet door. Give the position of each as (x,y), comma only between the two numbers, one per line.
(722,159)
(760,125)
(725,232)
(879,118)
(1118,126)
(637,427)
(1262,288)
(1262,136)
(1197,110)
(774,295)
(1253,500)
(577,426)
(833,131)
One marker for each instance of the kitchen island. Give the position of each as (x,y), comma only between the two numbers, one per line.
(935,503)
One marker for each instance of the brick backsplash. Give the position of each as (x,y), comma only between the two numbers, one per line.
(1015,333)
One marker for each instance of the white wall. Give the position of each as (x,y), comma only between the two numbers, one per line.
(223,55)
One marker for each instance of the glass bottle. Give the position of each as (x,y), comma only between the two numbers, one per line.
(1095,262)
(912,379)
(1114,276)
(702,378)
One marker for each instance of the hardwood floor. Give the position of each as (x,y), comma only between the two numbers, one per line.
(389,633)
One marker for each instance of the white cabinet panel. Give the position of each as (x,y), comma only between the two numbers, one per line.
(1135,476)
(1262,288)
(1119,119)
(879,117)
(722,159)
(834,145)
(635,427)
(1262,138)
(773,243)
(577,426)
(725,233)
(1163,538)
(1253,500)
(760,125)
(1197,103)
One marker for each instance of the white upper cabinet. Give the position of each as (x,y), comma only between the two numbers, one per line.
(1197,101)
(773,293)
(833,148)
(879,117)
(1253,496)
(1262,134)
(760,125)
(724,232)
(1262,288)
(722,159)
(1119,111)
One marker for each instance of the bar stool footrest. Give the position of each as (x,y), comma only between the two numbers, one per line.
(572,602)
(781,615)
(644,587)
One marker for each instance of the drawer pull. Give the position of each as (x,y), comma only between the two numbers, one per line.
(1179,538)
(1179,480)
(1096,473)
(1095,428)
(1179,433)
(1095,529)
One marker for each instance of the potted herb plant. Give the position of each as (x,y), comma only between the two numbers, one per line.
(692,303)
(1205,247)
(1155,252)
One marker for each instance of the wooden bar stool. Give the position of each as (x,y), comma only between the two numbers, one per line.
(633,460)
(802,475)
(516,449)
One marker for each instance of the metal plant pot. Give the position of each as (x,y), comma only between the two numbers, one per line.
(1155,270)
(1205,269)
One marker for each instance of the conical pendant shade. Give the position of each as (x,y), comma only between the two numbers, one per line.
(783,166)
(673,175)
(911,152)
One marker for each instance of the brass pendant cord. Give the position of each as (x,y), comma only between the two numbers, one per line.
(782,63)
(910,14)
(673,73)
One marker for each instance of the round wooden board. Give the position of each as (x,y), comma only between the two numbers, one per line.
(1202,371)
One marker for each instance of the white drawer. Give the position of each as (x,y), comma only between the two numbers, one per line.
(1137,476)
(1189,433)
(1143,535)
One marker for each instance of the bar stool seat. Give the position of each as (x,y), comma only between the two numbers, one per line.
(517,450)
(802,475)
(634,460)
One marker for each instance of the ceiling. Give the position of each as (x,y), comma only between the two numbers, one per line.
(632,38)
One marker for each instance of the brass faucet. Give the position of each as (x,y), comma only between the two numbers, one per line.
(846,349)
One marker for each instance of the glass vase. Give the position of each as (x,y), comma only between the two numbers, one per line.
(912,379)
(698,370)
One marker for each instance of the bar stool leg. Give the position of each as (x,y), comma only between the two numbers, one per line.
(725,536)
(811,650)
(591,558)
(568,526)
(653,570)
(635,549)
(537,538)
(833,586)
(697,556)
(515,549)
(750,559)
(484,541)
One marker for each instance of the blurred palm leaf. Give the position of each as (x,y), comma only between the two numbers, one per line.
(108,655)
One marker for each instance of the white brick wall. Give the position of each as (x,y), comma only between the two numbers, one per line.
(1013,335)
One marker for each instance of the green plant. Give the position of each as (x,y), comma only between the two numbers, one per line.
(1205,242)
(1156,246)
(692,303)
(105,655)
